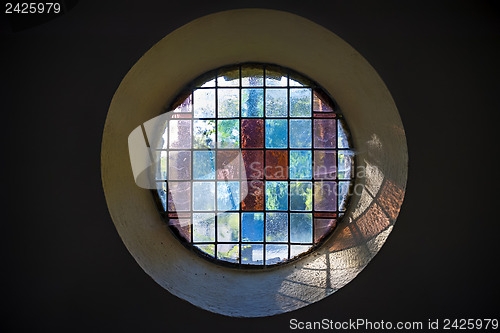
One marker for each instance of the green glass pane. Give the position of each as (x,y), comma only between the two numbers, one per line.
(300,164)
(228,133)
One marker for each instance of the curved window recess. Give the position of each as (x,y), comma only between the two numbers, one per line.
(255,166)
(293,42)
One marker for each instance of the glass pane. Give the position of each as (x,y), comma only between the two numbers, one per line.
(229,78)
(300,164)
(276,133)
(228,164)
(228,252)
(204,164)
(252,254)
(296,80)
(186,105)
(276,102)
(254,199)
(203,196)
(204,134)
(252,133)
(228,227)
(276,195)
(346,164)
(276,164)
(252,227)
(252,76)
(324,133)
(183,227)
(296,250)
(275,77)
(325,164)
(253,163)
(203,227)
(276,253)
(300,133)
(204,103)
(252,102)
(301,228)
(342,135)
(320,103)
(228,133)
(228,196)
(179,196)
(322,228)
(228,103)
(343,192)
(162,193)
(207,248)
(161,165)
(301,196)
(179,165)
(206,81)
(180,134)
(277,227)
(325,196)
(300,102)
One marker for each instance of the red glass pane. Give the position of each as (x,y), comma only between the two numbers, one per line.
(254,199)
(252,133)
(228,164)
(253,163)
(276,164)
(325,214)
(179,215)
(322,227)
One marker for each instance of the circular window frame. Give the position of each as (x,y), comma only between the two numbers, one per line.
(286,39)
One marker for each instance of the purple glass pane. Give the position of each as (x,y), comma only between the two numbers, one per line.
(179,196)
(228,164)
(325,164)
(179,165)
(183,227)
(325,133)
(180,134)
(325,196)
(320,103)
(322,227)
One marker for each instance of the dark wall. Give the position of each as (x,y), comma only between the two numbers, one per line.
(64,267)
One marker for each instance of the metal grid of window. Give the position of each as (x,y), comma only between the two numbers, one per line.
(256,166)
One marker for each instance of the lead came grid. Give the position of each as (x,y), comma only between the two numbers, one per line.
(297,208)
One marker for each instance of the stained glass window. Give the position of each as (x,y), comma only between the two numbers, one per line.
(254,167)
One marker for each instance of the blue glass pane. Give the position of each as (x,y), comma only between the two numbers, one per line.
(252,227)
(203,196)
(162,193)
(228,133)
(203,164)
(161,165)
(345,164)
(203,227)
(342,135)
(204,134)
(252,254)
(228,196)
(228,227)
(295,250)
(343,192)
(276,253)
(276,133)
(276,196)
(300,133)
(204,103)
(252,102)
(300,164)
(228,102)
(301,228)
(276,102)
(300,102)
(301,196)
(277,227)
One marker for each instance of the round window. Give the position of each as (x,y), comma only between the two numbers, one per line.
(256,164)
